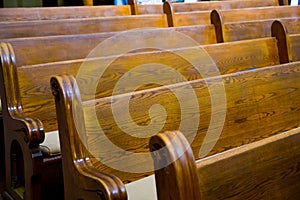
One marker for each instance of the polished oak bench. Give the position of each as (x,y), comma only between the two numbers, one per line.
(53,13)
(36,28)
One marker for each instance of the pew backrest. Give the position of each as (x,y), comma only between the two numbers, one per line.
(34,50)
(222,5)
(79,26)
(260,13)
(200,6)
(248,96)
(234,31)
(244,55)
(54,13)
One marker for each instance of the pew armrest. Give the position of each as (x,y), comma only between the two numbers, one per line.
(81,178)
(175,169)
(13,114)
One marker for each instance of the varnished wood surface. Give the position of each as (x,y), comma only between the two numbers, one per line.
(206,5)
(263,170)
(223,5)
(287,33)
(256,100)
(150,9)
(36,50)
(266,169)
(255,29)
(81,179)
(80,26)
(52,13)
(295,46)
(259,13)
(33,80)
(189,18)
(181,170)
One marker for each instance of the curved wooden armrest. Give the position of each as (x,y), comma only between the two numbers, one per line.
(13,114)
(174,163)
(81,178)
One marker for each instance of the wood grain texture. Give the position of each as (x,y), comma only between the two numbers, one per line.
(223,5)
(191,18)
(27,133)
(51,13)
(247,30)
(173,148)
(79,26)
(294,40)
(34,50)
(81,180)
(287,33)
(259,13)
(256,100)
(260,170)
(33,80)
(150,9)
(235,31)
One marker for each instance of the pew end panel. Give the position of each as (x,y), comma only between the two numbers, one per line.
(80,177)
(264,169)
(278,30)
(19,131)
(25,167)
(287,32)
(175,169)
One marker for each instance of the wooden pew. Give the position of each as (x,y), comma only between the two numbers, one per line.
(53,13)
(185,18)
(236,62)
(264,169)
(234,31)
(260,13)
(69,47)
(287,32)
(230,15)
(223,5)
(206,5)
(249,95)
(79,26)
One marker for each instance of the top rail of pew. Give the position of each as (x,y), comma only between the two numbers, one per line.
(35,28)
(51,13)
